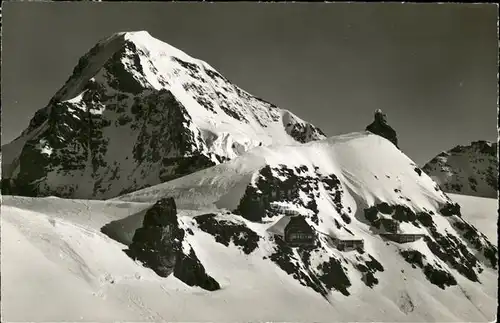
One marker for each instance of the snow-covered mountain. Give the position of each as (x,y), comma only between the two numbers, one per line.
(72,251)
(346,187)
(138,112)
(469,170)
(201,176)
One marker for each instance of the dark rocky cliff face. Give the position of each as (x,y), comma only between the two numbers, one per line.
(76,142)
(469,170)
(465,251)
(301,132)
(158,244)
(119,124)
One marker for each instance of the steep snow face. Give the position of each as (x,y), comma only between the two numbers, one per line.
(366,164)
(137,112)
(345,187)
(469,170)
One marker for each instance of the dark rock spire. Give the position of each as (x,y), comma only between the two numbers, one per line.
(158,244)
(380,127)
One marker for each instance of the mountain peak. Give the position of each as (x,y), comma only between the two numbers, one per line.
(136,112)
(138,46)
(144,40)
(470,169)
(137,33)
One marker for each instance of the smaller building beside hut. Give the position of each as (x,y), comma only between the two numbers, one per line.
(347,243)
(403,237)
(399,232)
(294,230)
(344,240)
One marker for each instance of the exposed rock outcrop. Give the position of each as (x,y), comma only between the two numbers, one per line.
(159,246)
(156,244)
(380,127)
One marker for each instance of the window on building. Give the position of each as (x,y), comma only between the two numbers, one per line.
(300,236)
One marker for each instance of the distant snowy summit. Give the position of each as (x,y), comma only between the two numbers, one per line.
(468,170)
(137,112)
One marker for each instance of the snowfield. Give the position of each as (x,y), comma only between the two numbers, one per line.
(55,269)
(368,165)
(482,212)
(63,260)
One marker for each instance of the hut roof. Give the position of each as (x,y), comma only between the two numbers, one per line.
(279,226)
(403,228)
(408,228)
(341,234)
(344,235)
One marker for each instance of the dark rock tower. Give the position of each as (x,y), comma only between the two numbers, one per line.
(380,127)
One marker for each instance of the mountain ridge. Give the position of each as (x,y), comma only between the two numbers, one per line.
(334,186)
(467,169)
(220,191)
(137,112)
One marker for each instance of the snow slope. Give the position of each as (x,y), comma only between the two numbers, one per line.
(468,170)
(73,250)
(137,112)
(55,269)
(340,181)
(366,165)
(481,212)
